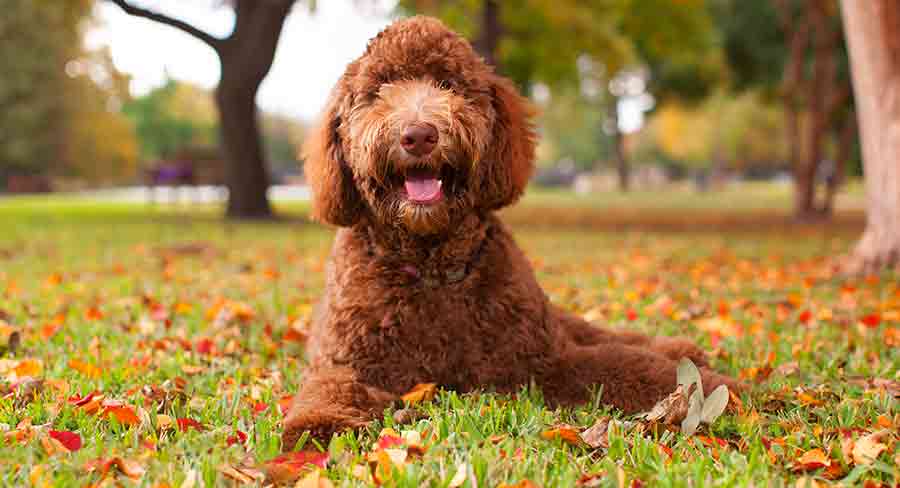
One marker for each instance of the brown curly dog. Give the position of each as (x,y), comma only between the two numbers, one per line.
(420,144)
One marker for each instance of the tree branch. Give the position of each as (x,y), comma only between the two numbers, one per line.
(210,40)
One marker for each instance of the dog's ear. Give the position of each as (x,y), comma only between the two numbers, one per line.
(509,161)
(335,199)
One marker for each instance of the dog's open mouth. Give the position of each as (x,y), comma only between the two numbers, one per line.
(425,185)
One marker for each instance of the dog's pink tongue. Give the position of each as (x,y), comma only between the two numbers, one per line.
(423,189)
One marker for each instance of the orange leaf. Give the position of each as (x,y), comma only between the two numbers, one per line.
(28,367)
(125,414)
(127,467)
(291,466)
(812,460)
(566,433)
(86,369)
(423,392)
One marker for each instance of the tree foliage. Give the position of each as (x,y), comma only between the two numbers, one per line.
(60,103)
(172,117)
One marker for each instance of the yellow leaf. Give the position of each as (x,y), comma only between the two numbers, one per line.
(165,422)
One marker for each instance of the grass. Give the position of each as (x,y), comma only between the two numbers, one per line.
(186,317)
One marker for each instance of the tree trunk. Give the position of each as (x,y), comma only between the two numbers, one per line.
(622,168)
(873,37)
(246,175)
(490,32)
(835,180)
(246,61)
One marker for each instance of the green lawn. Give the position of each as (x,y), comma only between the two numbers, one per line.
(172,315)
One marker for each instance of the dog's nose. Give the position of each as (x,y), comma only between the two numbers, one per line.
(419,139)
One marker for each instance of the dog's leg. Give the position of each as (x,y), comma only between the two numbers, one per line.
(633,378)
(585,334)
(331,400)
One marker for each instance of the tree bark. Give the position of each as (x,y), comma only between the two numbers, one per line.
(490,32)
(873,37)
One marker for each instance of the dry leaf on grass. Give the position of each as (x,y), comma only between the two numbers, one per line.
(423,392)
(597,436)
(867,448)
(812,460)
(563,432)
(686,405)
(291,466)
(129,468)
(242,474)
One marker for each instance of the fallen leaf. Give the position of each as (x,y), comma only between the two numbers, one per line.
(787,369)
(238,438)
(563,432)
(185,424)
(129,468)
(670,410)
(812,460)
(597,435)
(86,369)
(242,474)
(869,447)
(422,392)
(70,440)
(291,466)
(714,405)
(125,414)
(522,484)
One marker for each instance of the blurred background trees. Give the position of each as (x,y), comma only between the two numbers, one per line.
(708,89)
(60,104)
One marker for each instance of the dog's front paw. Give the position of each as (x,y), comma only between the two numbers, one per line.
(676,348)
(321,426)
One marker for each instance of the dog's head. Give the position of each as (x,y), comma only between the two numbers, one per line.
(418,133)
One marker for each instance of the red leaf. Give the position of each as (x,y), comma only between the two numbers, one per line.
(388,441)
(185,424)
(238,438)
(805,317)
(291,466)
(204,346)
(631,315)
(69,440)
(871,320)
(79,401)
(260,407)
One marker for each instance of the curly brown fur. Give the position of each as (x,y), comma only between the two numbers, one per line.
(437,291)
